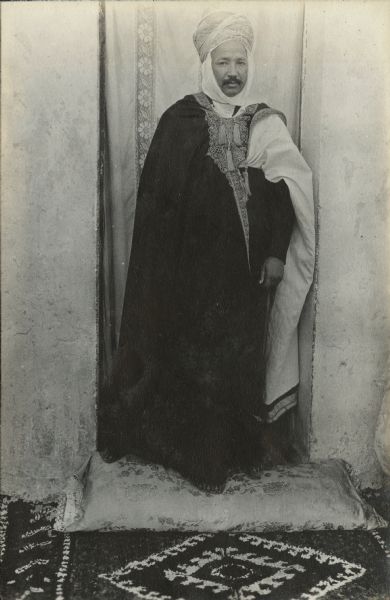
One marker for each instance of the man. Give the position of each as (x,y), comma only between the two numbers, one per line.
(210,240)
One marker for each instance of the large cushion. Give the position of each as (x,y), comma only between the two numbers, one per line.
(131,494)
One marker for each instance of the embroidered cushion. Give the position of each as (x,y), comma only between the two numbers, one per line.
(132,494)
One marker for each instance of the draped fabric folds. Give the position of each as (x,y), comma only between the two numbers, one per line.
(150,64)
(187,382)
(271,150)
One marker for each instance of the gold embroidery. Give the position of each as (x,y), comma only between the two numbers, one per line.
(228,149)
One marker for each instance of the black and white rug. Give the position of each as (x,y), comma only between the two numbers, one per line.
(38,562)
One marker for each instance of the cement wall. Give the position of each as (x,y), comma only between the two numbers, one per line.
(49,200)
(49,197)
(345,137)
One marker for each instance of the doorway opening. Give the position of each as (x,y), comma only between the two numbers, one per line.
(134,92)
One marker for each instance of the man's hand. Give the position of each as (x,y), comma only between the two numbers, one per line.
(271,272)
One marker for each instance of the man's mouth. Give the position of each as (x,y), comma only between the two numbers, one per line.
(232,83)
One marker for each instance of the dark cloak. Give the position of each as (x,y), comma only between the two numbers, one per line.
(191,352)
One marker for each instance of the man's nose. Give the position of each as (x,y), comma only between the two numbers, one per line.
(232,70)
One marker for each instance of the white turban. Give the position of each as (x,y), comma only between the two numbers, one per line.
(213,30)
(219,27)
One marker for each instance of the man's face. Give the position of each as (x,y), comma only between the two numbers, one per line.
(230,67)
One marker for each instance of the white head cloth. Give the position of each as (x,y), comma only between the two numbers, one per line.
(221,26)
(211,88)
(212,31)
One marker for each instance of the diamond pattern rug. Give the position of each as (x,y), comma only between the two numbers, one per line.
(38,562)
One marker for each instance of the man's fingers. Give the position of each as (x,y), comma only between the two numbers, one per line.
(262,276)
(271,272)
(271,282)
(267,282)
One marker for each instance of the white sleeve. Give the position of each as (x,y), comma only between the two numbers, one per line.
(272,149)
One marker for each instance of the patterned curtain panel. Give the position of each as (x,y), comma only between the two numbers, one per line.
(150,62)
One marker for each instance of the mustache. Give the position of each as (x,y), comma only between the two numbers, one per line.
(231,79)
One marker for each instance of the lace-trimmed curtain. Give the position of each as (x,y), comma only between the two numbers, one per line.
(150,63)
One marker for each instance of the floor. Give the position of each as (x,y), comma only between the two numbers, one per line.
(38,562)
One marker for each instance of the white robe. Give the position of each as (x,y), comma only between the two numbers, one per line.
(272,150)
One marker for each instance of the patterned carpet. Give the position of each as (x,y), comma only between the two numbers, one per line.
(38,562)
